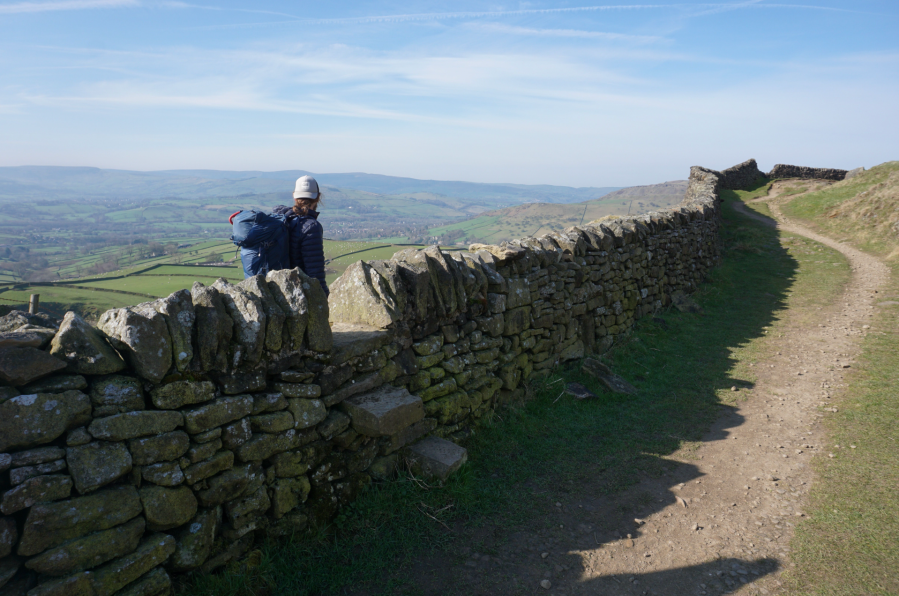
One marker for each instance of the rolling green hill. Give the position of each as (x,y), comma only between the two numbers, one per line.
(534,219)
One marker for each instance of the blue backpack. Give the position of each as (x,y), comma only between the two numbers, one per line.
(263,241)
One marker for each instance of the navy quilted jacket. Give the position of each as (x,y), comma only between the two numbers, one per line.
(306,243)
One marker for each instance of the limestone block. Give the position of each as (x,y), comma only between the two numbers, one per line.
(89,551)
(116,394)
(152,583)
(268,402)
(274,316)
(492,326)
(41,489)
(286,288)
(56,384)
(436,457)
(50,524)
(141,334)
(160,448)
(288,493)
(214,328)
(178,309)
(131,425)
(97,464)
(264,445)
(516,320)
(236,434)
(194,542)
(19,475)
(114,576)
(36,419)
(298,389)
(164,473)
(167,508)
(353,340)
(354,387)
(223,460)
(248,315)
(39,455)
(182,393)
(242,382)
(385,411)
(217,413)
(84,350)
(408,435)
(362,296)
(272,423)
(20,366)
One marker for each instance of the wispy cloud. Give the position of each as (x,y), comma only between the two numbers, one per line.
(566,33)
(26,7)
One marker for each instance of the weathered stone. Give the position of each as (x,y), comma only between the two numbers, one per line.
(268,402)
(217,413)
(429,345)
(296,376)
(236,434)
(286,287)
(503,254)
(255,503)
(141,334)
(78,584)
(438,390)
(248,315)
(264,445)
(214,328)
(242,382)
(436,457)
(20,366)
(131,425)
(384,468)
(116,394)
(36,490)
(408,435)
(182,393)
(194,542)
(271,423)
(165,447)
(335,423)
(153,583)
(450,408)
(516,320)
(605,375)
(223,460)
(35,419)
(492,326)
(19,475)
(354,340)
(5,461)
(57,384)
(27,337)
(288,493)
(167,508)
(89,551)
(274,316)
(207,436)
(430,360)
(84,350)
(298,390)
(51,524)
(362,296)
(78,436)
(229,484)
(114,576)
(383,412)
(353,387)
(36,456)
(8,536)
(290,464)
(97,464)
(179,313)
(164,473)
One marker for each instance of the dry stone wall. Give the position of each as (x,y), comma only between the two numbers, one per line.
(174,433)
(786,171)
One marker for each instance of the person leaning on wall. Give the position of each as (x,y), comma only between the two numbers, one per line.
(307,249)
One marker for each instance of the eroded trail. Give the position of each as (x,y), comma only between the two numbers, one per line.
(723,523)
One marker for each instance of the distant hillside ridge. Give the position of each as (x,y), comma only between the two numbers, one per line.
(87,182)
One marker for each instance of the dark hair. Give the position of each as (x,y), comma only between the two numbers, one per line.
(305,206)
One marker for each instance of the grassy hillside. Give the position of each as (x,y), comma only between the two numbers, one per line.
(538,218)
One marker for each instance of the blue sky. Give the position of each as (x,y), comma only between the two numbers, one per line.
(576,94)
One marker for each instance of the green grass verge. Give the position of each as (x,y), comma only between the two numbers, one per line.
(683,366)
(850,543)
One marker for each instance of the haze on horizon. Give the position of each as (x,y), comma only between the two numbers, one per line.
(527,92)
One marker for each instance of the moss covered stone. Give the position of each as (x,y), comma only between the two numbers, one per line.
(89,551)
(164,447)
(167,508)
(182,393)
(97,464)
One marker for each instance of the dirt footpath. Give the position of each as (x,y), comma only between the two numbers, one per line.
(721,522)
